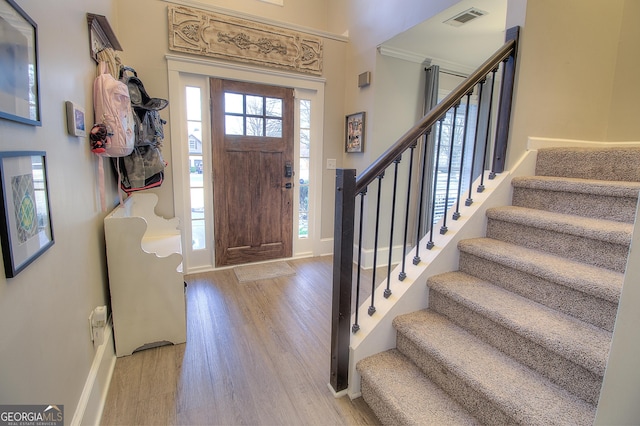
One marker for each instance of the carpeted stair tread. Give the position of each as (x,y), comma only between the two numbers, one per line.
(609,200)
(578,185)
(404,395)
(524,395)
(616,163)
(595,281)
(521,333)
(581,343)
(597,229)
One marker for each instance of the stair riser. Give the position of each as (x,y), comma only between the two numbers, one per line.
(620,209)
(593,252)
(401,394)
(598,312)
(383,412)
(479,406)
(573,377)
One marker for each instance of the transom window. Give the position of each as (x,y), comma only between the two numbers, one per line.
(250,115)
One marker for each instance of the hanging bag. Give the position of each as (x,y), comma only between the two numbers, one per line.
(113,133)
(144,167)
(149,124)
(112,108)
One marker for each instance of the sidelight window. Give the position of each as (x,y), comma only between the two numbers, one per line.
(305,149)
(196,166)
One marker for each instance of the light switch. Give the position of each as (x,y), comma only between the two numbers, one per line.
(331,163)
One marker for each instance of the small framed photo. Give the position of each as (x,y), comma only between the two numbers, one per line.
(354,132)
(75,119)
(26,231)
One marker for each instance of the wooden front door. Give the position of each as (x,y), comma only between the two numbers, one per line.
(252,141)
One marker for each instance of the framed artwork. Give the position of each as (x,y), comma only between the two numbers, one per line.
(19,80)
(26,230)
(75,119)
(354,132)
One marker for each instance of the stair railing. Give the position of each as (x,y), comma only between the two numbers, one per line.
(446,186)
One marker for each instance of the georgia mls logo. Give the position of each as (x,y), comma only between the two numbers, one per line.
(31,415)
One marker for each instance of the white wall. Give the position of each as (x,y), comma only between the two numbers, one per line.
(620,393)
(45,347)
(621,388)
(393,101)
(370,23)
(623,123)
(567,67)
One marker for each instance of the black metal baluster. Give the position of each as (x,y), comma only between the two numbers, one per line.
(469,200)
(356,326)
(431,244)
(403,274)
(387,291)
(423,171)
(456,214)
(443,228)
(486,143)
(372,308)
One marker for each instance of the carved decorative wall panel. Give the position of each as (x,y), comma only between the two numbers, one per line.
(221,36)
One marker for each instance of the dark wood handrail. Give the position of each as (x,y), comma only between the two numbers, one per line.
(440,110)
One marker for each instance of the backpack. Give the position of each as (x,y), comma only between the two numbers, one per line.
(148,123)
(113,115)
(113,133)
(144,167)
(149,129)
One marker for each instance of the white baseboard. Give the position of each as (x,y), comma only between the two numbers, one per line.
(94,394)
(535,143)
(326,247)
(337,394)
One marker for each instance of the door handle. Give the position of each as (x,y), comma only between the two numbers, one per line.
(288,185)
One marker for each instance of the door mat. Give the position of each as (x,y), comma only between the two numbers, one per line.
(263,271)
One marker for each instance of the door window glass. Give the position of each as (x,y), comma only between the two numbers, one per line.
(251,115)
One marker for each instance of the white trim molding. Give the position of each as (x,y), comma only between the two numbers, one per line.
(94,394)
(406,55)
(535,143)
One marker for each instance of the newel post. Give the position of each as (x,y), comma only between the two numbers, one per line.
(504,108)
(342,277)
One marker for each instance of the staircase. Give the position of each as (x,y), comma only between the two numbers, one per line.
(521,332)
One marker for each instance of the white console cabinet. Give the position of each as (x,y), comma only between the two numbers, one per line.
(144,259)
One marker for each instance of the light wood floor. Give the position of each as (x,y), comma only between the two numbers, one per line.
(256,354)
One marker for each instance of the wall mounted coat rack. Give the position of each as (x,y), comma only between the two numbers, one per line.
(101,35)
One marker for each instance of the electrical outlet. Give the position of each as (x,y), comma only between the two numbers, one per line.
(331,163)
(91,325)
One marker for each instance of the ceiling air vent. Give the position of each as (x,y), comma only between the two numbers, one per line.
(465,17)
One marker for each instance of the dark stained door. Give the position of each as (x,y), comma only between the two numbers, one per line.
(252,145)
